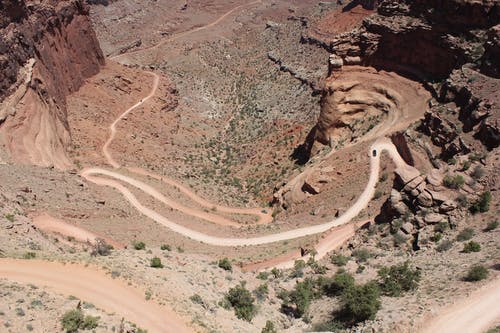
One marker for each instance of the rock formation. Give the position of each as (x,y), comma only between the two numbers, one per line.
(48,49)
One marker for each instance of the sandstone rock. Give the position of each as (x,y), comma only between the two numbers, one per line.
(435,177)
(335,62)
(414,183)
(408,174)
(425,199)
(352,60)
(447,206)
(433,218)
(419,221)
(407,228)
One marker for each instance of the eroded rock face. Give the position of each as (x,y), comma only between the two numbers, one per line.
(57,40)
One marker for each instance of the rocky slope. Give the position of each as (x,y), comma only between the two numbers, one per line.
(48,49)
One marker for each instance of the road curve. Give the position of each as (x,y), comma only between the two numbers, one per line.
(186,33)
(91,285)
(376,149)
(112,127)
(474,314)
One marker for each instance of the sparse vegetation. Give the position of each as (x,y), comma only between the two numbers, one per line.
(361,255)
(339,260)
(476,273)
(492,225)
(74,320)
(269,328)
(465,234)
(444,246)
(29,255)
(139,245)
(225,264)
(454,182)
(166,247)
(482,204)
(156,263)
(478,172)
(471,247)
(242,301)
(397,279)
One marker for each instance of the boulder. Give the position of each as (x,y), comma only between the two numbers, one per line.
(433,218)
(447,206)
(407,228)
(425,199)
(439,196)
(414,183)
(435,177)
(335,62)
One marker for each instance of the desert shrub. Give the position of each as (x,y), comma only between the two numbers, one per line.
(196,299)
(139,245)
(335,285)
(302,295)
(263,275)
(29,255)
(156,263)
(361,255)
(399,239)
(329,326)
(466,165)
(462,200)
(436,237)
(277,273)
(73,320)
(477,173)
(397,279)
(269,328)
(471,247)
(225,264)
(165,247)
(101,248)
(452,161)
(482,204)
(378,193)
(444,246)
(339,260)
(492,225)
(494,330)
(242,302)
(360,302)
(453,182)
(476,273)
(465,234)
(315,266)
(261,291)
(441,227)
(298,268)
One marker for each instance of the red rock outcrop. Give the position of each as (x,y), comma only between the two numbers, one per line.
(48,49)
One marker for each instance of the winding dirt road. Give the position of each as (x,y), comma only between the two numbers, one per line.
(376,149)
(94,286)
(474,314)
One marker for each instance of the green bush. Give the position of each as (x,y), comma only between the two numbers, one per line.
(466,165)
(277,273)
(263,275)
(453,182)
(261,291)
(360,302)
(465,234)
(339,260)
(196,299)
(478,172)
(397,279)
(361,255)
(444,246)
(156,263)
(166,247)
(492,225)
(476,273)
(225,264)
(139,245)
(482,204)
(73,320)
(335,285)
(471,247)
(269,328)
(29,255)
(302,296)
(242,302)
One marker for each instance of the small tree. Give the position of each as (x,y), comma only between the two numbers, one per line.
(397,279)
(156,263)
(476,273)
(302,296)
(242,301)
(269,328)
(336,285)
(139,245)
(471,247)
(73,320)
(225,264)
(482,204)
(360,302)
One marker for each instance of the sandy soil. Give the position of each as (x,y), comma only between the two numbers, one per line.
(94,286)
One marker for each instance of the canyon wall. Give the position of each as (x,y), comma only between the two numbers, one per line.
(47,49)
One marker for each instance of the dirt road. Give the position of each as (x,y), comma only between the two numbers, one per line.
(92,285)
(375,151)
(474,314)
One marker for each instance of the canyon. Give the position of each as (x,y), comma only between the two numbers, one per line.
(156,158)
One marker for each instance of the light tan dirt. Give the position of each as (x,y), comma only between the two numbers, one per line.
(94,286)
